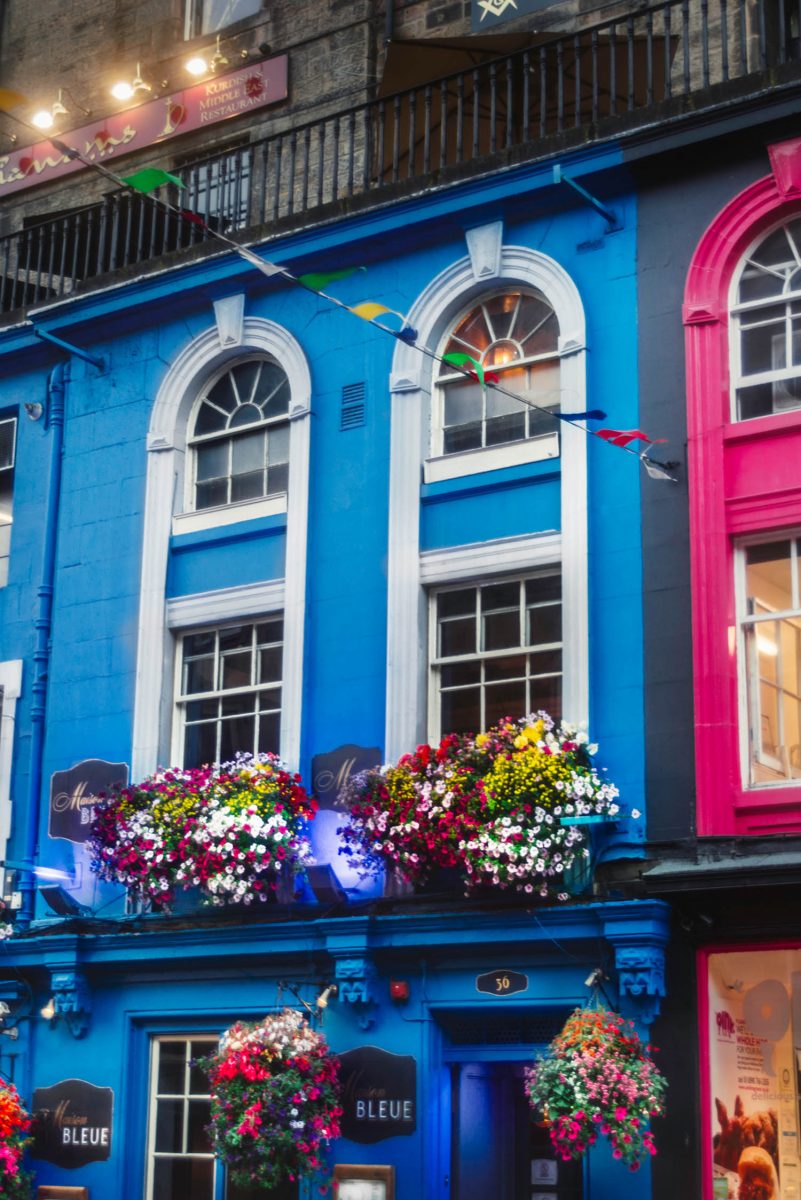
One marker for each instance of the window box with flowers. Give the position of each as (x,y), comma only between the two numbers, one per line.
(499,809)
(234,832)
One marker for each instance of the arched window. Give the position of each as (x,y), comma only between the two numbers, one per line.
(515,335)
(766,325)
(240,435)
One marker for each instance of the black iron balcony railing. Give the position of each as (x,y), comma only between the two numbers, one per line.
(661,61)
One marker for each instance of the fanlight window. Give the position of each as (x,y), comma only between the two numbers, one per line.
(766,319)
(515,335)
(240,436)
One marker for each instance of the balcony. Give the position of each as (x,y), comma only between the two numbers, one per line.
(669,62)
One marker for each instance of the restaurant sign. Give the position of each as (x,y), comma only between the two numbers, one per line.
(73,795)
(107,138)
(379,1094)
(72,1123)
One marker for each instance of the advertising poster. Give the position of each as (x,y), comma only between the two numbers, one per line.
(754,1054)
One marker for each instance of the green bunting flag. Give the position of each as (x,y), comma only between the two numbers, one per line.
(462,360)
(317,280)
(150,178)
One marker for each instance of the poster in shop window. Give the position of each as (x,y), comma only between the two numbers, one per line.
(755,1059)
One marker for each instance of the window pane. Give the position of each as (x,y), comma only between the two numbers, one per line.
(245,377)
(463,403)
(199,675)
(763,348)
(198,1117)
(198,1079)
(456,604)
(460,711)
(247,453)
(544,625)
(546,694)
(6,497)
(278,480)
(202,710)
(545,663)
(232,637)
(509,667)
(269,699)
(247,487)
(278,445)
(200,745)
(460,674)
(211,495)
(542,588)
(457,637)
(269,733)
(233,706)
(212,461)
(171,1076)
(236,669)
(269,632)
(8,430)
(511,428)
(270,665)
(500,630)
(236,734)
(180,1178)
(219,14)
(768,582)
(273,390)
(505,700)
(499,596)
(170,1126)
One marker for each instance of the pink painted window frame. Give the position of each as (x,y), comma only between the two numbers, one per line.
(744,479)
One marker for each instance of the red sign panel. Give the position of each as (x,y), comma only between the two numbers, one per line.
(157,121)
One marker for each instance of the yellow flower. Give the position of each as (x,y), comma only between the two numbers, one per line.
(482,739)
(521,741)
(534,733)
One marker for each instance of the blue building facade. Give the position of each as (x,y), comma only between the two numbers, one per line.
(375,523)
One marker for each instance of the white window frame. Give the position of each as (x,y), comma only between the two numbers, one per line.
(748,701)
(542,554)
(193,20)
(439,465)
(151,1153)
(489,265)
(233,336)
(10,689)
(737,310)
(213,611)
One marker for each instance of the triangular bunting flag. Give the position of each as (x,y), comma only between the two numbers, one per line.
(461,360)
(261,264)
(10,99)
(317,280)
(150,178)
(622,437)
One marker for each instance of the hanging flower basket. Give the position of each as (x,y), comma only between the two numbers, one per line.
(15,1184)
(499,808)
(274,1101)
(231,831)
(597,1079)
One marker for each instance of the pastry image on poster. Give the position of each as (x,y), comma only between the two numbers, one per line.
(755,1048)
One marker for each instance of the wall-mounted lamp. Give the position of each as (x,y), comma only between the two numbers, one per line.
(325,996)
(49,1010)
(70,1002)
(201,64)
(44,118)
(126,91)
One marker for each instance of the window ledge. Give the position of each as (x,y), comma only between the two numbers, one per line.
(230,514)
(490,458)
(758,427)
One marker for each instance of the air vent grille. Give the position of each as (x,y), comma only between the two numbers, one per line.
(513,1027)
(354,408)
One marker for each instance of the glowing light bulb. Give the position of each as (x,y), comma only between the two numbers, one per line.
(122,91)
(42,120)
(197,66)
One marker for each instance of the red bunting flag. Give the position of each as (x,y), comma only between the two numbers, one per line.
(622,437)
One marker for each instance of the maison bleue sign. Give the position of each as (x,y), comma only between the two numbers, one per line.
(379,1094)
(73,794)
(72,1123)
(107,138)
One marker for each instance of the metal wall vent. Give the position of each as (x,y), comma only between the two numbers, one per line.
(353,410)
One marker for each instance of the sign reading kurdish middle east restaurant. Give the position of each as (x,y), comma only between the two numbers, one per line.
(379,1094)
(217,99)
(73,794)
(72,1123)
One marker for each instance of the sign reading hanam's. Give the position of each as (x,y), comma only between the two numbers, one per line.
(217,99)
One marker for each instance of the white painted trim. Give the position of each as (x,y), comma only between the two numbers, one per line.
(225,604)
(411,386)
(229,514)
(11,687)
(491,458)
(511,555)
(166,444)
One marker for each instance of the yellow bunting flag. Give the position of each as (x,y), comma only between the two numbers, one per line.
(10,100)
(369,310)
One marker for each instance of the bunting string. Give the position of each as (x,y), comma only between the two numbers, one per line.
(147,180)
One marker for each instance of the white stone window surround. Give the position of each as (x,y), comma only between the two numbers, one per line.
(232,337)
(411,385)
(10,689)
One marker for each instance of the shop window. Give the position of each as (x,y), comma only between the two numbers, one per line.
(496,651)
(180,1162)
(209,16)
(766,326)
(8,439)
(771,647)
(229,691)
(239,439)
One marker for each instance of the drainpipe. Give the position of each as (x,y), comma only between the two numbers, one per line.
(43,625)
